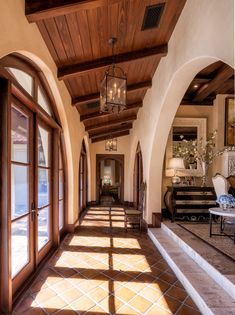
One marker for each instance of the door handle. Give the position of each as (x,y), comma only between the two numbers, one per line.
(33,210)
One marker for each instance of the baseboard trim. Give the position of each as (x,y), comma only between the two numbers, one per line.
(156,219)
(71,227)
(92,203)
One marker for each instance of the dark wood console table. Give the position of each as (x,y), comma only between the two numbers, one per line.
(191,201)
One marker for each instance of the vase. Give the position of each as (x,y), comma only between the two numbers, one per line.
(204,174)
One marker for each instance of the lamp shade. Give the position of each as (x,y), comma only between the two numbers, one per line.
(176,163)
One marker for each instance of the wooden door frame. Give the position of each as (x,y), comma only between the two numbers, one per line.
(138,176)
(120,159)
(5,202)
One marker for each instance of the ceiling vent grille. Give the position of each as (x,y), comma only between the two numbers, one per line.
(93,105)
(152,16)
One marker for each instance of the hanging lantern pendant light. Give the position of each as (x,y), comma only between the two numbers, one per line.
(113,87)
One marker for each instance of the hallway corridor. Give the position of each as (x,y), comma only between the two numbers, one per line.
(101,270)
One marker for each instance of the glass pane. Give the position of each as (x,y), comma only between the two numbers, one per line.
(61,214)
(43,101)
(81,164)
(19,244)
(61,184)
(81,198)
(43,187)
(43,147)
(19,190)
(24,79)
(81,181)
(60,160)
(43,227)
(19,136)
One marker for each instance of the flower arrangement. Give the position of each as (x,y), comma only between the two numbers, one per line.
(201,151)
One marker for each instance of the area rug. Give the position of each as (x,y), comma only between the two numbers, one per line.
(221,243)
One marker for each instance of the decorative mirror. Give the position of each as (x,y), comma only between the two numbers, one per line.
(189,129)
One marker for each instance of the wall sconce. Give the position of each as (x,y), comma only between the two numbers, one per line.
(111,144)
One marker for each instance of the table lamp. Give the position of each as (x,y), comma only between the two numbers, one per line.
(176,164)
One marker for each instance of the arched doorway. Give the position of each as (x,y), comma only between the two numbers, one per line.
(109,178)
(169,105)
(138,176)
(32,193)
(83,183)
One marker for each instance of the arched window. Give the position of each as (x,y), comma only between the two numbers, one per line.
(34,169)
(138,176)
(83,178)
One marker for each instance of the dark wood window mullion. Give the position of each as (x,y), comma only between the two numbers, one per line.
(43,207)
(20,217)
(20,163)
(45,167)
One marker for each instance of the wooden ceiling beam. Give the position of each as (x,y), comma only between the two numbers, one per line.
(36,10)
(116,135)
(205,102)
(110,131)
(205,79)
(98,64)
(95,97)
(111,122)
(98,114)
(223,75)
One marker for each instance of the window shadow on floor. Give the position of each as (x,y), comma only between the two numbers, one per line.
(101,269)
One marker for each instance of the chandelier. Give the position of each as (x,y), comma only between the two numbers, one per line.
(111,144)
(113,87)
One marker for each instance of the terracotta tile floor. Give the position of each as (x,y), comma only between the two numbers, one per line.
(101,269)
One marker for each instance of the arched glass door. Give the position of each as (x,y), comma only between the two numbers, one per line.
(35,201)
(83,178)
(138,176)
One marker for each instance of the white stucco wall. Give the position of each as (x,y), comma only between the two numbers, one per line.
(203,35)
(17,35)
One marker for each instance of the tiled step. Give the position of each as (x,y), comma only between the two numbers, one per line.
(208,295)
(225,282)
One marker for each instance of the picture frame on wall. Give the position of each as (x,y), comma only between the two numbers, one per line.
(229,138)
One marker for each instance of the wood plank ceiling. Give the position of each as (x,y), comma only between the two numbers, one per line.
(76,34)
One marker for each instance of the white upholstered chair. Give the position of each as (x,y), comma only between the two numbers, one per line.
(221,186)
